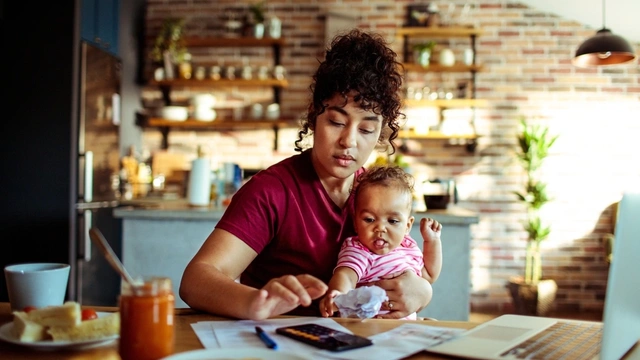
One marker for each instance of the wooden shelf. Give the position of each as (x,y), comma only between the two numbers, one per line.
(434,135)
(232,42)
(453,103)
(166,86)
(439,31)
(219,124)
(439,68)
(222,82)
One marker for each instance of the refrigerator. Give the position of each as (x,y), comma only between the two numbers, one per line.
(60,149)
(97,157)
(41,207)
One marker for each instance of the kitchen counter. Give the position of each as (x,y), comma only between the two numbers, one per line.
(160,237)
(180,209)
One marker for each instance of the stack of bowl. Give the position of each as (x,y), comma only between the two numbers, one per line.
(203,107)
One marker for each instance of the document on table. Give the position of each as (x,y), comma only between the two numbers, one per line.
(242,333)
(397,343)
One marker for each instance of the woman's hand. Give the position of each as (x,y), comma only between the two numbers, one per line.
(283,294)
(327,306)
(407,292)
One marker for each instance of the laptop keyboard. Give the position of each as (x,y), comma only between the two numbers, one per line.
(563,340)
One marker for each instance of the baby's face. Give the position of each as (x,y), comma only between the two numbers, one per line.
(382,218)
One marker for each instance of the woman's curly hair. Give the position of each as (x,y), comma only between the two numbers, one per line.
(362,63)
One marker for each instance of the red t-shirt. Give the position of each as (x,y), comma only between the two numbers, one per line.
(287,217)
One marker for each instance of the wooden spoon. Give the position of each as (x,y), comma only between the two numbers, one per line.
(111,256)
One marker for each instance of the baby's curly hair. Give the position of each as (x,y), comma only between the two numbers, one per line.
(390,176)
(358,62)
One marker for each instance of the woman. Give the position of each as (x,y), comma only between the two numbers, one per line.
(282,232)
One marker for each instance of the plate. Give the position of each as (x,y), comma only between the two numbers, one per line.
(6,335)
(253,354)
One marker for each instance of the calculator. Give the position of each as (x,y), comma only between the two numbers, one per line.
(323,337)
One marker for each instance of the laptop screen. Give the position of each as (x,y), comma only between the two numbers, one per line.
(622,303)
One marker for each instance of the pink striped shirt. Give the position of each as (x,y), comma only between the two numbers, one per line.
(372,267)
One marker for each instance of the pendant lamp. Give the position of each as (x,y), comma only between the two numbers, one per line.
(604,48)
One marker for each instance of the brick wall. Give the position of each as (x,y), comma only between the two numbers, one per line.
(527,57)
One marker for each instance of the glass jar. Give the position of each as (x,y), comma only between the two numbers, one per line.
(146,320)
(184,68)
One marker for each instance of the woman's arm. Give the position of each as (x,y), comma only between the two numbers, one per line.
(208,282)
(407,292)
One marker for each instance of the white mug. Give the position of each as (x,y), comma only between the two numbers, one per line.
(36,284)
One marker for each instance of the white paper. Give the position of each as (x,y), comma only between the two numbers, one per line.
(205,334)
(397,343)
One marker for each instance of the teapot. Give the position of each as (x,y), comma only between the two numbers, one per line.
(439,193)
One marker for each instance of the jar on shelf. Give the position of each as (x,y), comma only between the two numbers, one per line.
(447,58)
(275,27)
(230,72)
(263,72)
(215,72)
(201,72)
(158,74)
(467,56)
(185,68)
(247,72)
(279,72)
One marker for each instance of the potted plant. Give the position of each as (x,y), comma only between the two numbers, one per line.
(169,47)
(531,293)
(422,52)
(257,13)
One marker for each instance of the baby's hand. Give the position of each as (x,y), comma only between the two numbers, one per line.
(430,229)
(327,306)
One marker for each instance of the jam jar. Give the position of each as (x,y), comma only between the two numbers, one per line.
(147,319)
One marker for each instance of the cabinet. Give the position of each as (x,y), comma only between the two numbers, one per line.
(411,35)
(166,86)
(99,23)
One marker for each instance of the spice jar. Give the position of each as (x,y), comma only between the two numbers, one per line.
(185,68)
(146,320)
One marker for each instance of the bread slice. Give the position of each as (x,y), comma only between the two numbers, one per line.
(99,328)
(69,314)
(27,330)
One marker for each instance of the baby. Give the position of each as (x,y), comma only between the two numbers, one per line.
(383,247)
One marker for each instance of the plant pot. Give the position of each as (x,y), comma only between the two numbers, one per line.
(532,299)
(423,57)
(258,30)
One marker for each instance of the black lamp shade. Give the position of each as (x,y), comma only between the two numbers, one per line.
(604,48)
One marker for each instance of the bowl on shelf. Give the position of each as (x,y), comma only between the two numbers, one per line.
(206,100)
(175,113)
(204,113)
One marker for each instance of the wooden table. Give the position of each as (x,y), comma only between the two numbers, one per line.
(186,338)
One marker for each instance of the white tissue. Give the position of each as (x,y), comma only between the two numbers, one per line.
(363,302)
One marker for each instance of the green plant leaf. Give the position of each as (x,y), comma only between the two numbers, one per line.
(169,39)
(425,46)
(257,10)
(534,143)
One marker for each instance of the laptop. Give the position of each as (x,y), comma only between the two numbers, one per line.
(531,337)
